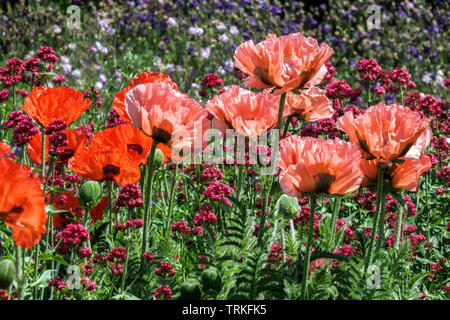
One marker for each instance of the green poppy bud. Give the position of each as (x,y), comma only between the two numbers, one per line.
(211,280)
(89,195)
(190,290)
(288,206)
(7,273)
(159,158)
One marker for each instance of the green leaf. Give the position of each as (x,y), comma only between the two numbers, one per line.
(42,282)
(48,257)
(52,210)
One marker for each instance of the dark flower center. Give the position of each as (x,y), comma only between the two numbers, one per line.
(323,182)
(66,154)
(162,136)
(263,75)
(111,169)
(136,147)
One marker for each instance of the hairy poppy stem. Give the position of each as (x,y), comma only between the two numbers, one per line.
(380,195)
(172,196)
(262,224)
(381,222)
(398,231)
(19,272)
(43,154)
(307,259)
(148,193)
(280,110)
(337,205)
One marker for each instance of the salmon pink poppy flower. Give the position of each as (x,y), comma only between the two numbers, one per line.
(247,112)
(102,162)
(388,132)
(284,63)
(22,206)
(401,176)
(312,105)
(318,165)
(76,139)
(146,77)
(138,144)
(163,113)
(45,104)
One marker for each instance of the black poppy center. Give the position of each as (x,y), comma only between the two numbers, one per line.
(66,154)
(136,147)
(324,181)
(162,135)
(111,169)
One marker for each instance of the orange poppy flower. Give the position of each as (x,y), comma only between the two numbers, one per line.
(138,144)
(318,165)
(146,77)
(312,105)
(99,162)
(286,62)
(401,176)
(22,211)
(76,140)
(247,112)
(45,104)
(388,132)
(163,113)
(61,219)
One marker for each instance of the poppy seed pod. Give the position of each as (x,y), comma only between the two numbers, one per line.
(159,158)
(288,206)
(90,193)
(211,280)
(190,290)
(7,273)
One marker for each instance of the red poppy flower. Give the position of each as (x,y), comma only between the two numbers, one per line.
(99,162)
(61,219)
(146,77)
(138,144)
(76,140)
(21,204)
(45,104)
(4,148)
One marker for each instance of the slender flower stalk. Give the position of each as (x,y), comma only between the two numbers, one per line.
(262,223)
(19,272)
(148,193)
(380,196)
(172,197)
(398,231)
(43,154)
(306,261)
(336,206)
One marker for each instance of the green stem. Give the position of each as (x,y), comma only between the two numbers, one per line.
(280,110)
(398,231)
(148,194)
(109,191)
(43,153)
(380,195)
(172,197)
(262,223)
(381,222)
(306,262)
(337,205)
(19,272)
